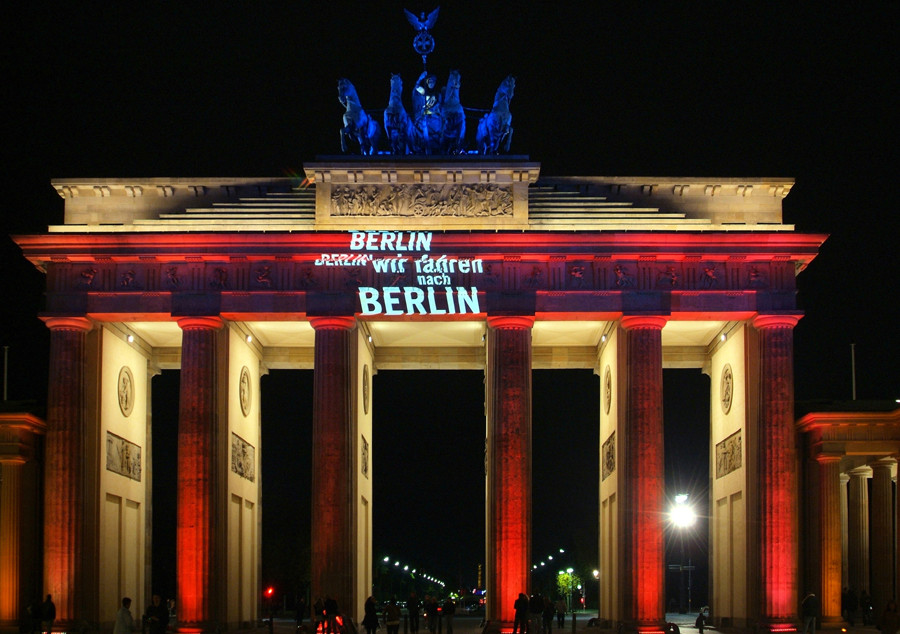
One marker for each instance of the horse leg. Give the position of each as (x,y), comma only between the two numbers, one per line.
(343,140)
(509,132)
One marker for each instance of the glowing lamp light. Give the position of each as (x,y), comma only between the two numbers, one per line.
(387,559)
(130,338)
(682,515)
(249,338)
(722,338)
(270,591)
(596,574)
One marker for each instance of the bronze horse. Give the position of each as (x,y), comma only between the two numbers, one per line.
(453,118)
(495,129)
(400,130)
(357,124)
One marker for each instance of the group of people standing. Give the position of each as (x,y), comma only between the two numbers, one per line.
(326,617)
(156,617)
(853,605)
(535,615)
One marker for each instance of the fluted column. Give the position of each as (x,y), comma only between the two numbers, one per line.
(830,536)
(509,464)
(644,512)
(10,539)
(332,460)
(197,473)
(777,472)
(63,468)
(858,529)
(882,533)
(845,567)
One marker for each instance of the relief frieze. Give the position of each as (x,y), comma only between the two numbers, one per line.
(243,458)
(729,455)
(123,457)
(608,453)
(351,269)
(466,201)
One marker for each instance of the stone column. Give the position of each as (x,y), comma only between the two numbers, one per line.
(845,574)
(830,536)
(332,462)
(64,468)
(882,533)
(777,472)
(508,464)
(19,497)
(858,529)
(196,509)
(644,487)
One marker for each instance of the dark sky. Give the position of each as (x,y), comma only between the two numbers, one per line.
(249,89)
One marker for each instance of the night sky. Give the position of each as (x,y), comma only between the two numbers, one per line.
(249,89)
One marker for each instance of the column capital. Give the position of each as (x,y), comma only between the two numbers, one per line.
(510,322)
(776,321)
(633,322)
(864,471)
(887,461)
(332,323)
(82,324)
(826,458)
(202,323)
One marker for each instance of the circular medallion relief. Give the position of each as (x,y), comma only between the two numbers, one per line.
(607,389)
(125,389)
(726,389)
(244,390)
(365,389)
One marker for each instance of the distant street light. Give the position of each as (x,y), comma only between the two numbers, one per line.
(683,517)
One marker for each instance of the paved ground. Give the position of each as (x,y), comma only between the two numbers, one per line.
(473,625)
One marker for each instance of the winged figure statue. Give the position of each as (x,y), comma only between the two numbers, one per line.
(422,23)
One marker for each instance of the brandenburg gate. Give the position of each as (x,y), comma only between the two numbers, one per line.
(380,263)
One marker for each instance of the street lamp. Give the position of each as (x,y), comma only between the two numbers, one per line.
(682,516)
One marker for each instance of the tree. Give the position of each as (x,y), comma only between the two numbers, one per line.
(566,583)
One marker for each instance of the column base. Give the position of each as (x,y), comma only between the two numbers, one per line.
(832,623)
(780,627)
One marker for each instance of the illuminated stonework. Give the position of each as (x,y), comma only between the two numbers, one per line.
(376,264)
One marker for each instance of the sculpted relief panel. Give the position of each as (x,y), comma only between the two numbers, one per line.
(466,201)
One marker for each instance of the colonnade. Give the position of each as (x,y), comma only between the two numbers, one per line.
(336,541)
(855,514)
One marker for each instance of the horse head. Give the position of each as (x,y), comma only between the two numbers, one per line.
(506,90)
(396,85)
(346,92)
(453,80)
